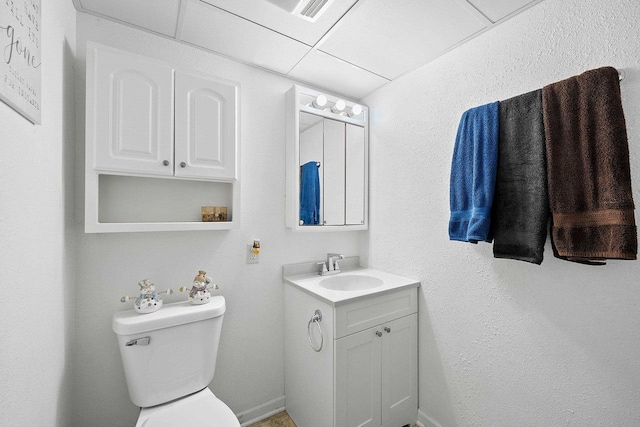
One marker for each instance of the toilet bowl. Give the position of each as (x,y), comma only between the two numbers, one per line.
(169,359)
(201,409)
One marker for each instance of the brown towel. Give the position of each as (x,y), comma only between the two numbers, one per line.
(588,169)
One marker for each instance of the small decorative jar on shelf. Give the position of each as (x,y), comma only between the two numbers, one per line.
(214,213)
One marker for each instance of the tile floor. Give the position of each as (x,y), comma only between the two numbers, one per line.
(279,420)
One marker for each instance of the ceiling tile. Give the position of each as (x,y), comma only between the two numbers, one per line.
(390,38)
(160,16)
(495,10)
(336,76)
(271,16)
(214,29)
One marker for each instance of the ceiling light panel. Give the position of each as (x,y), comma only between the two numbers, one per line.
(160,16)
(336,76)
(391,38)
(214,29)
(495,10)
(277,15)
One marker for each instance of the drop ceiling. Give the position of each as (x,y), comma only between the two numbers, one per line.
(352,48)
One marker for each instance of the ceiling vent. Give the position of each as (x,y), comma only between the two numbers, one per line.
(306,9)
(311,9)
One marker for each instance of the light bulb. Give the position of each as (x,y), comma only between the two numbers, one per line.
(355,110)
(320,101)
(339,106)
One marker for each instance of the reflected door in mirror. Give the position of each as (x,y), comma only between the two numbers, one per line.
(311,150)
(354,175)
(334,172)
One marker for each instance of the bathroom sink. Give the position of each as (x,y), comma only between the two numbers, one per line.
(351,282)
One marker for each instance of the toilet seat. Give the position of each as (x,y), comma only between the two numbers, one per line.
(201,409)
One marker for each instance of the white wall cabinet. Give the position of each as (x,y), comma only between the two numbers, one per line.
(205,115)
(145,118)
(367,371)
(129,113)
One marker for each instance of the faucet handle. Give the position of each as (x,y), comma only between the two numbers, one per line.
(323,269)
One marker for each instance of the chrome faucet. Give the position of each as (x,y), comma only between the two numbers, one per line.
(331,267)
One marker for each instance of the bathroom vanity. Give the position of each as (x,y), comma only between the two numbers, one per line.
(350,347)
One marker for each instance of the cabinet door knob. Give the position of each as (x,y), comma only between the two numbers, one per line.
(183,165)
(378,333)
(387,330)
(165,162)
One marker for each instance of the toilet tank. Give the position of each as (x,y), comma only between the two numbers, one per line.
(179,357)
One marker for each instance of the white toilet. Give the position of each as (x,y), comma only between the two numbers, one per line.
(169,358)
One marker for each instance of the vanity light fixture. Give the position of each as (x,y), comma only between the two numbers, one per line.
(339,106)
(355,110)
(320,102)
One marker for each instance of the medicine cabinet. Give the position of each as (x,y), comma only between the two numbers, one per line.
(161,142)
(327,162)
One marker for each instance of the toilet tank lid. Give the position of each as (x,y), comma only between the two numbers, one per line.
(129,322)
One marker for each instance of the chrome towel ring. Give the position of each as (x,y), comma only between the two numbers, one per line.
(317,317)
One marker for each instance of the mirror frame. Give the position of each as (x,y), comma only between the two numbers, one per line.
(299,99)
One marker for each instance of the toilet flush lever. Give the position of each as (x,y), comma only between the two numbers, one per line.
(138,341)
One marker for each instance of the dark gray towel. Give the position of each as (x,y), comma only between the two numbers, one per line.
(521,205)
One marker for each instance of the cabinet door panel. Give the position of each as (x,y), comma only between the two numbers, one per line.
(205,128)
(333,163)
(357,379)
(355,170)
(399,368)
(129,113)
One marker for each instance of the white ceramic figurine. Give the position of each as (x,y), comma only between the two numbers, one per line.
(149,299)
(199,291)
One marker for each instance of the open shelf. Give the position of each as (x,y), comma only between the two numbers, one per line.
(121,203)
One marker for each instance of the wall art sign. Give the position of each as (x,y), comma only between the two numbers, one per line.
(20,60)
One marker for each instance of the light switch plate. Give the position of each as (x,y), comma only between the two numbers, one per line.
(251,257)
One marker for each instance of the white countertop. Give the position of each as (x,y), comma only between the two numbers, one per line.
(310,283)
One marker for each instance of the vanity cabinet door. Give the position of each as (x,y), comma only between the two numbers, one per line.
(129,113)
(205,139)
(357,379)
(399,370)
(376,375)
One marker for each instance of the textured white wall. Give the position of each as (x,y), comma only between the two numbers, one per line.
(250,367)
(506,343)
(37,239)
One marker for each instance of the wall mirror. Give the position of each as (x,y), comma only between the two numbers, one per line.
(327,163)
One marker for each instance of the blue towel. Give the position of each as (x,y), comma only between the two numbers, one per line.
(473,174)
(309,194)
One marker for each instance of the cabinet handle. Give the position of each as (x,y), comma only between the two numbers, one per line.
(183,165)
(165,162)
(387,330)
(378,333)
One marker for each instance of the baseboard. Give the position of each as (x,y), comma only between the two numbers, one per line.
(260,412)
(425,420)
